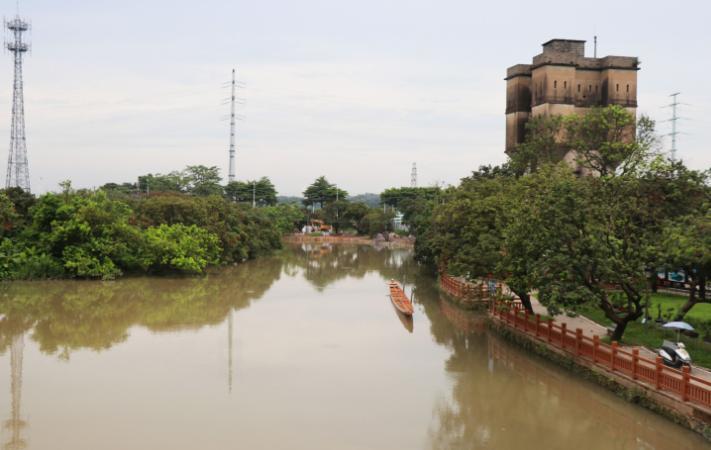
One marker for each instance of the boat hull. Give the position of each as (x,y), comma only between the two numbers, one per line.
(399,299)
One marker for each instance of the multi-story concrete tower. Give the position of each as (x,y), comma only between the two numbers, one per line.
(18,171)
(561,80)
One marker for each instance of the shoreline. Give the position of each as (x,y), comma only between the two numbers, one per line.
(353,240)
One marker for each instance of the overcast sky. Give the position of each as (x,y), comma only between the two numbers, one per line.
(355,90)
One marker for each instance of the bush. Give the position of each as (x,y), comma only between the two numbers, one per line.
(182,248)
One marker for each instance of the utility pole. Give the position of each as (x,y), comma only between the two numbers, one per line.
(413,176)
(673,121)
(18,172)
(231,174)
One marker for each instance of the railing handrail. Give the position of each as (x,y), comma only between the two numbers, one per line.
(621,360)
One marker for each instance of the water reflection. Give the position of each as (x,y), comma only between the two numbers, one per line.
(66,316)
(502,398)
(340,373)
(324,264)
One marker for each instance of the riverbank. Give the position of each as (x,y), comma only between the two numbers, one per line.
(617,371)
(633,375)
(394,241)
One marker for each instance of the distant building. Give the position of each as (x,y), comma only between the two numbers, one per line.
(562,81)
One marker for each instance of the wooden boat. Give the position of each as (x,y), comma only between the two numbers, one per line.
(399,299)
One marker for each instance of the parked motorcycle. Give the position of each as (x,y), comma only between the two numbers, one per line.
(674,354)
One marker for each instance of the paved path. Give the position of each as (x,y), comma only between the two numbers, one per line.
(591,328)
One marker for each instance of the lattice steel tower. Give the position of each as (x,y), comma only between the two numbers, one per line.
(413,175)
(18,171)
(231,173)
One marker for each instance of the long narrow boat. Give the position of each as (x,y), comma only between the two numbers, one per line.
(399,299)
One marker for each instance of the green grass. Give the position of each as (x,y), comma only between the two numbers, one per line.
(651,335)
(672,303)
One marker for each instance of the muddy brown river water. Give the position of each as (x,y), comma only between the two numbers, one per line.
(301,350)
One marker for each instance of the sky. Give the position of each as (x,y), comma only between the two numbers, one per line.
(354,90)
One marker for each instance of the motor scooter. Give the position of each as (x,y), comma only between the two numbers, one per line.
(674,354)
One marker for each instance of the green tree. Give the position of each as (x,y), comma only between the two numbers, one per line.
(202,180)
(604,139)
(178,247)
(88,234)
(286,217)
(262,191)
(542,145)
(686,244)
(172,182)
(583,241)
(321,192)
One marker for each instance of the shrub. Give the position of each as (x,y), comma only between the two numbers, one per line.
(182,248)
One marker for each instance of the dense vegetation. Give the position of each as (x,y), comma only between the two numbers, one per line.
(180,222)
(592,237)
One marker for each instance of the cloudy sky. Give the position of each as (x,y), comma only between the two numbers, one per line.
(355,90)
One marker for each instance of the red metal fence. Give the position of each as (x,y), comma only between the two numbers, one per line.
(653,373)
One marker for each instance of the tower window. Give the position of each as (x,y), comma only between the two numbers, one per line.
(617,88)
(578,88)
(565,84)
(589,87)
(628,88)
(555,84)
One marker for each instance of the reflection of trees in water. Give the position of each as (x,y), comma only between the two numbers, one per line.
(325,264)
(502,398)
(69,315)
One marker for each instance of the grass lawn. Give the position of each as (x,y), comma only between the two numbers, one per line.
(672,303)
(651,335)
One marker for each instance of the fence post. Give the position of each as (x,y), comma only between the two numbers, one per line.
(596,344)
(685,383)
(658,367)
(563,331)
(635,361)
(613,354)
(538,324)
(578,340)
(550,328)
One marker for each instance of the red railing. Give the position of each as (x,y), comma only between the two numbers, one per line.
(653,373)
(464,289)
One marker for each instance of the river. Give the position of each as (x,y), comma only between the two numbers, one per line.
(300,350)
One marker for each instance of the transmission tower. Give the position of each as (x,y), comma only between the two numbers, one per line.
(413,175)
(18,172)
(231,176)
(674,104)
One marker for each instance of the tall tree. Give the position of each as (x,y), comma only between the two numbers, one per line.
(605,142)
(321,192)
(261,191)
(686,244)
(585,241)
(203,180)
